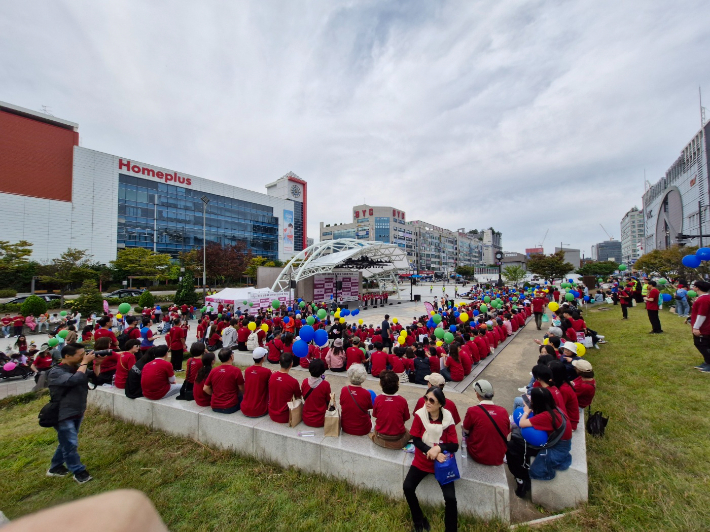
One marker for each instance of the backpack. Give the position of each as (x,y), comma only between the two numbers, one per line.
(122,339)
(596,423)
(252,341)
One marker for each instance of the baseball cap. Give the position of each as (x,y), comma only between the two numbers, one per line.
(570,346)
(484,388)
(435,379)
(259,353)
(582,365)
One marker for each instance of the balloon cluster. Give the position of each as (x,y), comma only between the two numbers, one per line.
(694,261)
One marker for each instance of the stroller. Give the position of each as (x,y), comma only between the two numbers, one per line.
(14,368)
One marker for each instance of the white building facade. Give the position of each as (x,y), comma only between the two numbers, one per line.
(632,236)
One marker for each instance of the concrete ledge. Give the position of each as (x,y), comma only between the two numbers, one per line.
(482,490)
(571,487)
(11,387)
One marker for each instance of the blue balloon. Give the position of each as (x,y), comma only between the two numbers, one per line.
(300,348)
(289,309)
(586,298)
(373,395)
(356,312)
(303,322)
(703,253)
(570,280)
(517,414)
(476,312)
(457,314)
(321,337)
(452,328)
(691,261)
(534,436)
(287,319)
(307,333)
(345,312)
(667,297)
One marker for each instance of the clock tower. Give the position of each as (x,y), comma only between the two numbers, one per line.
(293,188)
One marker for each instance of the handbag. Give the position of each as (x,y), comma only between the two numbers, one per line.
(331,425)
(447,471)
(295,412)
(49,415)
(588,342)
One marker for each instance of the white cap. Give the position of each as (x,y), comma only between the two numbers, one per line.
(259,352)
(571,346)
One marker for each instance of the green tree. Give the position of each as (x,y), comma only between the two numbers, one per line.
(34,305)
(514,274)
(186,294)
(146,300)
(16,270)
(253,266)
(669,263)
(604,268)
(142,263)
(466,271)
(549,267)
(224,263)
(89,300)
(70,268)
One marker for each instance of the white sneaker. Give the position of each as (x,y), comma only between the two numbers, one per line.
(600,336)
(523,389)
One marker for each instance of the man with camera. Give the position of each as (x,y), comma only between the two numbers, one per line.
(68,385)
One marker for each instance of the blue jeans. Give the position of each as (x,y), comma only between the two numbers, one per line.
(41,324)
(6,330)
(66,453)
(235,408)
(547,461)
(682,308)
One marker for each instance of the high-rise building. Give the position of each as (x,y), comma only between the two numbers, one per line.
(293,188)
(492,242)
(632,236)
(379,224)
(572,256)
(607,250)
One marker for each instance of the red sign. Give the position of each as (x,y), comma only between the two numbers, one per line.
(357,214)
(533,251)
(165,176)
(370,212)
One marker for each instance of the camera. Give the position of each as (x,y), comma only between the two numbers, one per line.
(102,353)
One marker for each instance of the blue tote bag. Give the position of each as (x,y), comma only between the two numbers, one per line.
(447,471)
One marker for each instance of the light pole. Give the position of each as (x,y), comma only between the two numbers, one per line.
(205,201)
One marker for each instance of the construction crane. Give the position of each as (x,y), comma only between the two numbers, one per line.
(543,239)
(607,232)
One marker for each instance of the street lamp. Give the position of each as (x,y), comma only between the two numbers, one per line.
(205,202)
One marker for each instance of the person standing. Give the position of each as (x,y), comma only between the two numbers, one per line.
(700,323)
(69,385)
(385,333)
(177,345)
(625,300)
(538,307)
(651,300)
(682,307)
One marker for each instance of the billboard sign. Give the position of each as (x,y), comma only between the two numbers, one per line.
(288,231)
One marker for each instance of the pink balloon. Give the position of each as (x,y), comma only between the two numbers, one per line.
(9,366)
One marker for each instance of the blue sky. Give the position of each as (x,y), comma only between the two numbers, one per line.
(523,116)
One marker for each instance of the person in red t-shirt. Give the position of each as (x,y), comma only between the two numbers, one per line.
(198,390)
(256,386)
(126,360)
(105,365)
(225,384)
(538,308)
(391,411)
(316,395)
(466,359)
(433,434)
(378,359)
(105,331)
(354,354)
(158,377)
(42,362)
(282,389)
(652,306)
(584,385)
(486,427)
(355,403)
(435,379)
(453,369)
(177,345)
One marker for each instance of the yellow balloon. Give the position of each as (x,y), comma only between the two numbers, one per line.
(432,312)
(439,343)
(545,341)
(553,306)
(119,316)
(337,314)
(341,320)
(546,291)
(403,333)
(360,321)
(402,340)
(264,327)
(394,320)
(463,317)
(251,326)
(581,350)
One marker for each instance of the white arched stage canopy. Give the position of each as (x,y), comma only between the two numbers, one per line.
(378,261)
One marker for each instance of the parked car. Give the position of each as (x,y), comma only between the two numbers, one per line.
(126,292)
(49,298)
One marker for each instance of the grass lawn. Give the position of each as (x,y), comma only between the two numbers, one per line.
(650,472)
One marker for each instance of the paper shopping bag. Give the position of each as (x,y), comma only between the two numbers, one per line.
(331,427)
(295,412)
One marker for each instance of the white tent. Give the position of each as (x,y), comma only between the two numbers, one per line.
(256,298)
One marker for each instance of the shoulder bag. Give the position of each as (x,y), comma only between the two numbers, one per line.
(49,415)
(358,404)
(494,424)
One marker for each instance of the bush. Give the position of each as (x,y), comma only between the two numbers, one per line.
(90,299)
(138,310)
(10,307)
(8,292)
(186,294)
(34,305)
(146,300)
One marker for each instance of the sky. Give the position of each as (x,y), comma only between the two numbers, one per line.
(523,116)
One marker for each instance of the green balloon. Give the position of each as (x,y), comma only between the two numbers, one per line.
(124,308)
(483,308)
(622,267)
(322,313)
(310,320)
(662,281)
(439,333)
(569,297)
(487,299)
(244,302)
(251,304)
(63,334)
(437,318)
(302,304)
(515,298)
(448,337)
(275,304)
(219,315)
(203,310)
(63,313)
(692,293)
(53,342)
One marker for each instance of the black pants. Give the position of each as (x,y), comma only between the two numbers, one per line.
(624,312)
(702,344)
(538,320)
(414,477)
(176,358)
(655,322)
(518,458)
(18,330)
(241,346)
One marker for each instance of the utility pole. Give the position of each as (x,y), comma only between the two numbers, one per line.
(703,150)
(205,201)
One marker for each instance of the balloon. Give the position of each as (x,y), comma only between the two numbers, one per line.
(307,333)
(359,321)
(63,334)
(9,366)
(302,304)
(484,308)
(569,297)
(475,313)
(403,333)
(60,340)
(337,314)
(581,350)
(448,338)
(692,293)
(341,320)
(439,333)
(251,304)
(691,261)
(124,308)
(264,327)
(119,316)
(300,348)
(703,254)
(586,298)
(439,343)
(289,309)
(662,282)
(553,306)
(534,436)
(517,414)
(275,304)
(310,320)
(622,267)
(52,342)
(244,302)
(667,297)
(487,299)
(463,317)
(437,318)
(356,312)
(432,312)
(394,320)
(321,337)
(63,313)
(452,328)
(251,326)
(372,395)
(322,313)
(546,341)
(219,315)
(345,312)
